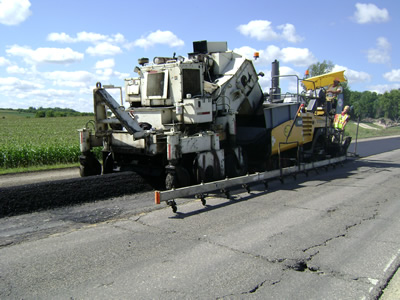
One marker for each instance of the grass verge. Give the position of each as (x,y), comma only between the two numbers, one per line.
(37,168)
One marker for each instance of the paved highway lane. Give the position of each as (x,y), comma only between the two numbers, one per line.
(329,235)
(372,146)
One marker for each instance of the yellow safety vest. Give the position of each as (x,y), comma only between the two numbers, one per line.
(340,121)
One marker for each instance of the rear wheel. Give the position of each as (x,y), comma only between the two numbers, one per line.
(170,181)
(89,165)
(233,167)
(180,177)
(318,148)
(108,163)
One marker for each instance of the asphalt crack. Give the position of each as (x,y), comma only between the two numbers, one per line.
(253,290)
(347,228)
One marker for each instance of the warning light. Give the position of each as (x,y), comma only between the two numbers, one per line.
(256,55)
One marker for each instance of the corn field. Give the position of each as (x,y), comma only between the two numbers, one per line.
(27,141)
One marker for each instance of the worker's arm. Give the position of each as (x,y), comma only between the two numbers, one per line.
(336,92)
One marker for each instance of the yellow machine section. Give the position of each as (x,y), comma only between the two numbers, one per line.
(280,140)
(316,82)
(287,136)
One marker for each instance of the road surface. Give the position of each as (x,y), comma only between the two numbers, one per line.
(331,235)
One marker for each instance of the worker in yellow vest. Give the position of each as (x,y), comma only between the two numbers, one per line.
(341,119)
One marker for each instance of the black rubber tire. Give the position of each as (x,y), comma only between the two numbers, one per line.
(182,176)
(170,181)
(89,166)
(232,166)
(108,163)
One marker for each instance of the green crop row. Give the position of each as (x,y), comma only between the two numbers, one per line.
(26,155)
(27,142)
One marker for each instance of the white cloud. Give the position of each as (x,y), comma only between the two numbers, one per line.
(70,79)
(24,93)
(121,76)
(104,64)
(247,52)
(258,29)
(271,53)
(14,12)
(13,84)
(382,88)
(381,54)
(46,55)
(263,31)
(60,37)
(90,37)
(370,13)
(16,70)
(118,38)
(297,56)
(48,98)
(52,93)
(103,49)
(159,37)
(392,76)
(106,74)
(352,75)
(290,81)
(289,33)
(284,70)
(83,36)
(4,62)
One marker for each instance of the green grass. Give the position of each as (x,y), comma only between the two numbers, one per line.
(351,130)
(15,114)
(38,168)
(27,142)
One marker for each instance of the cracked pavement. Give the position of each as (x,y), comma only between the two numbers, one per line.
(331,235)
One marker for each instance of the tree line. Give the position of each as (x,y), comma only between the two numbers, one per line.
(373,105)
(364,104)
(54,112)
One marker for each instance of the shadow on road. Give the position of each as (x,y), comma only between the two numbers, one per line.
(328,174)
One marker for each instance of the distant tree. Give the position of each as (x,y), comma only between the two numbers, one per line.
(364,103)
(50,113)
(389,105)
(320,68)
(60,114)
(324,67)
(354,101)
(40,114)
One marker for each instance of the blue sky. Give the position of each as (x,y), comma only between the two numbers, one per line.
(52,53)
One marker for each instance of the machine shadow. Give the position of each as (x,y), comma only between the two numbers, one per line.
(290,182)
